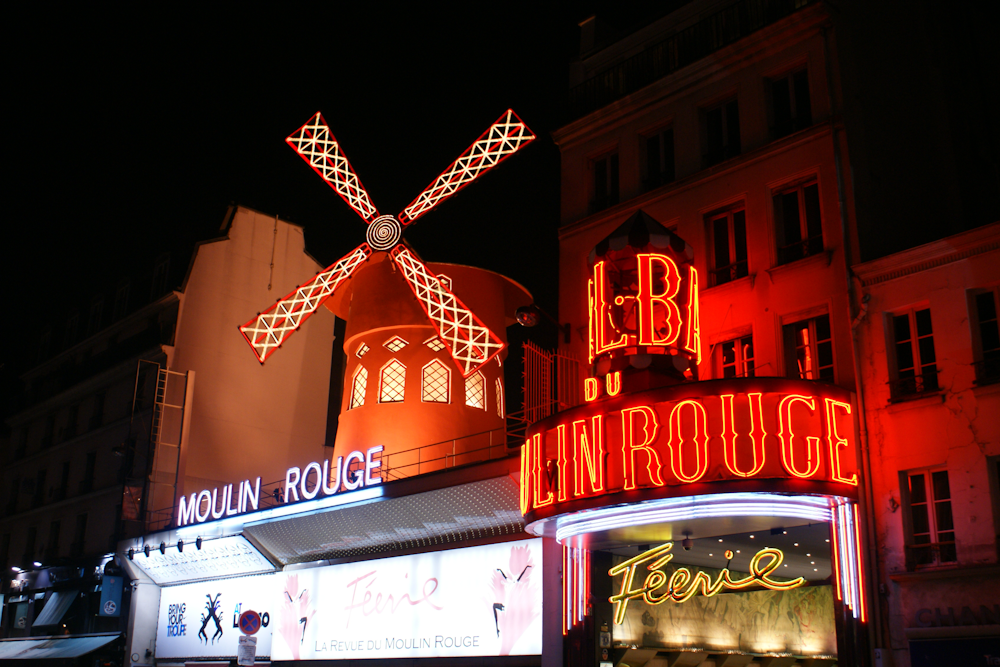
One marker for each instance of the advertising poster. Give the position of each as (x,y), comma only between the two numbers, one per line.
(202,620)
(476,601)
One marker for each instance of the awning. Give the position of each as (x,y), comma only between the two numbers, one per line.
(52,647)
(55,607)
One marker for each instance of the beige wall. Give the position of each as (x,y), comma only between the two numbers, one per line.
(250,420)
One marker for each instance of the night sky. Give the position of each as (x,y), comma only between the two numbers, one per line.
(130,135)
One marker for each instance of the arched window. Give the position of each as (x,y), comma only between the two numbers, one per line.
(358,388)
(475,391)
(499,398)
(391,382)
(435,383)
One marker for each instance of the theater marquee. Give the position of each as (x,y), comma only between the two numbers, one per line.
(692,439)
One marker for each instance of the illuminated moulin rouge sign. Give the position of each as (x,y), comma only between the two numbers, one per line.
(347,473)
(665,440)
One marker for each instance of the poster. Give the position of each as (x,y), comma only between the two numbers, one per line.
(476,601)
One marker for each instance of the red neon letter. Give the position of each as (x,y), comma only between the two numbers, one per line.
(613,383)
(650,429)
(525,496)
(835,441)
(700,440)
(591,388)
(563,462)
(538,471)
(757,434)
(692,342)
(788,437)
(588,453)
(647,300)
(600,316)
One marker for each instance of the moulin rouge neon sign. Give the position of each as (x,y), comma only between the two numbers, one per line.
(726,430)
(681,586)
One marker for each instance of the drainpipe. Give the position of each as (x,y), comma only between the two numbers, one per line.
(876,629)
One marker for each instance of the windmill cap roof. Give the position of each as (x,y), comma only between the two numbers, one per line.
(641,232)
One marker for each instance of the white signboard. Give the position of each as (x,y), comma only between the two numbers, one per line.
(477,601)
(201,620)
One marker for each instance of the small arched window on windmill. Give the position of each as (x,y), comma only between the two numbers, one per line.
(358,387)
(475,391)
(391,382)
(435,383)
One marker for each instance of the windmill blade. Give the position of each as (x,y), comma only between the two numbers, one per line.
(316,144)
(502,139)
(471,344)
(272,327)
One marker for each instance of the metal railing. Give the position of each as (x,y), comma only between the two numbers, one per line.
(906,388)
(987,370)
(680,49)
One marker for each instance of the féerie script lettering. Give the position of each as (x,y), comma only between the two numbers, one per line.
(378,603)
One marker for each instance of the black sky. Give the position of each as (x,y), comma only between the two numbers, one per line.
(129,134)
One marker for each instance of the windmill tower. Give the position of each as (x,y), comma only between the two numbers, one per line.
(424,365)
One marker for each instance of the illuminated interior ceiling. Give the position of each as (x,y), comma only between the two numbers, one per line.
(482,509)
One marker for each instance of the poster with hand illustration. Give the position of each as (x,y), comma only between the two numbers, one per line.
(476,601)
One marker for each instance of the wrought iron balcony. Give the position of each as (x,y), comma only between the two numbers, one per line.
(914,386)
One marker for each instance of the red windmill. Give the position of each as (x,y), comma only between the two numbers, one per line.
(470,343)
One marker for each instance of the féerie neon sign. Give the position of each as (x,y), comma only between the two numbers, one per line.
(681,585)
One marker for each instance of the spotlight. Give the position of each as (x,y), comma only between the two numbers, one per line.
(146,550)
(131,553)
(197,543)
(37,564)
(180,545)
(687,542)
(15,568)
(163,548)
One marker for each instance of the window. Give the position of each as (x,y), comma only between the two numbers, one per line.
(391,381)
(161,267)
(358,387)
(790,106)
(121,300)
(930,528)
(39,496)
(362,350)
(87,484)
(809,349)
(915,371)
(14,492)
(94,320)
(97,413)
(475,391)
(63,489)
(605,192)
(52,548)
(797,222)
(986,335)
(434,343)
(722,132)
(79,535)
(44,344)
(735,358)
(69,334)
(395,344)
(435,382)
(499,388)
(29,544)
(658,167)
(729,246)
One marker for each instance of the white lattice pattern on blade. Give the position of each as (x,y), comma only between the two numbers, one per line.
(395,344)
(502,138)
(499,397)
(471,344)
(359,388)
(434,343)
(317,145)
(434,383)
(269,329)
(362,350)
(475,391)
(392,382)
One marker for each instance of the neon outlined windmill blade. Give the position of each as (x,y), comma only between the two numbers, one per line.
(470,342)
(316,144)
(500,140)
(272,327)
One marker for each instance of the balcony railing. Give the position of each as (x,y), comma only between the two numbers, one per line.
(932,553)
(680,49)
(988,370)
(915,386)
